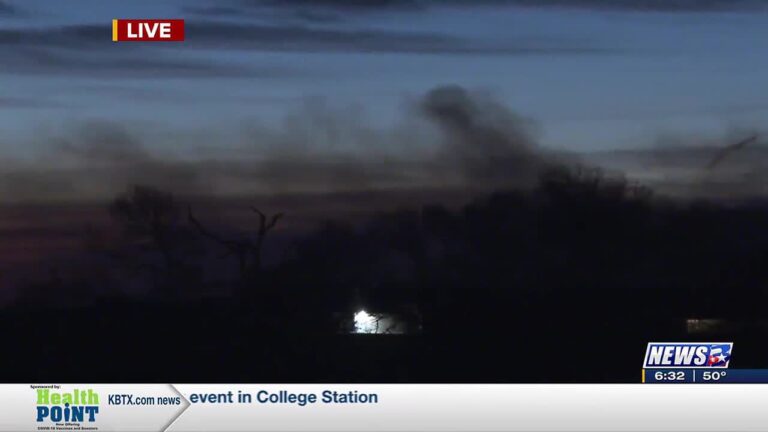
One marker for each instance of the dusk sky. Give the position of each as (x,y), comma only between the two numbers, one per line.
(449,175)
(592,75)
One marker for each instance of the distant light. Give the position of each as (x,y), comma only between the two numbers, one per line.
(707,325)
(365,323)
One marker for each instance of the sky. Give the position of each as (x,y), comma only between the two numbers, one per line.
(272,97)
(590,75)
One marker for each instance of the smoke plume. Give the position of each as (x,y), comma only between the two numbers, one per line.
(460,139)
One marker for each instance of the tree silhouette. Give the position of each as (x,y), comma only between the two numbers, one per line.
(247,251)
(150,220)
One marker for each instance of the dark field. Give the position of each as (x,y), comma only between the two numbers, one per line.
(563,283)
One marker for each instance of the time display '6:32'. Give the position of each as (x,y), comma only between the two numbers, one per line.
(677,375)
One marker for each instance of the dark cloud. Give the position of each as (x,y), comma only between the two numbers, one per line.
(650,5)
(299,38)
(105,66)
(338,12)
(351,5)
(82,34)
(221,35)
(87,50)
(231,7)
(27,103)
(316,26)
(213,10)
(359,6)
(117,65)
(6,9)
(273,14)
(645,5)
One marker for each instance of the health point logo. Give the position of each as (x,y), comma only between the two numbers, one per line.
(79,405)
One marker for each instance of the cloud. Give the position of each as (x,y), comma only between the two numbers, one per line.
(642,5)
(300,38)
(125,65)
(43,62)
(86,50)
(213,11)
(325,26)
(224,35)
(349,5)
(362,6)
(27,103)
(7,10)
(65,36)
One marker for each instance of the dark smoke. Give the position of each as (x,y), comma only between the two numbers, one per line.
(493,146)
(98,160)
(460,139)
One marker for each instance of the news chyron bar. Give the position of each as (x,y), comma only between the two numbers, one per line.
(415,407)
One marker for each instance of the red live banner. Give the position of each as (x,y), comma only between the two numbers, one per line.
(147,30)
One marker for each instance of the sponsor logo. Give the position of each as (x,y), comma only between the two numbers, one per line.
(66,409)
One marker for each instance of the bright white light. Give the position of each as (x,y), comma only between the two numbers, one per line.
(365,323)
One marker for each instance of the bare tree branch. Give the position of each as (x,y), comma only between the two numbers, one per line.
(248,252)
(238,248)
(727,151)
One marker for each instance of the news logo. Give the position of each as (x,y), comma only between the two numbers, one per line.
(147,30)
(687,355)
